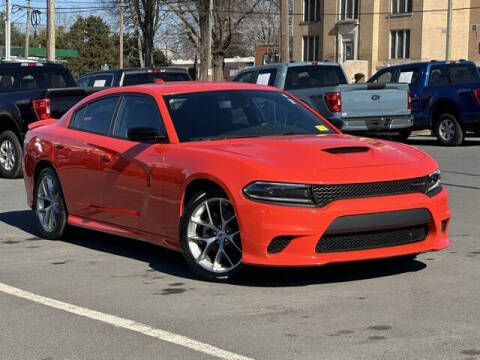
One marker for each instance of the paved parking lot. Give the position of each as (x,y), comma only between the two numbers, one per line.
(97,296)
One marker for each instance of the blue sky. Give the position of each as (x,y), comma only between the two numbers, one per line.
(66,9)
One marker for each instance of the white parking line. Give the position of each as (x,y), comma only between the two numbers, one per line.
(125,324)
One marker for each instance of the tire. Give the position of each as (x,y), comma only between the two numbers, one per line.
(49,205)
(403,135)
(10,155)
(210,237)
(448,130)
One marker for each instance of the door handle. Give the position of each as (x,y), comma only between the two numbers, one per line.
(60,147)
(105,158)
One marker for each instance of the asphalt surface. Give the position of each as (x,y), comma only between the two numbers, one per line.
(424,309)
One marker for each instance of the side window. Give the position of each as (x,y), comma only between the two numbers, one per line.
(266,77)
(384,78)
(138,111)
(6,82)
(463,74)
(246,77)
(97,116)
(409,76)
(104,80)
(83,81)
(438,76)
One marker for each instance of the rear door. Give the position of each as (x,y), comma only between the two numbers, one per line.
(79,154)
(128,171)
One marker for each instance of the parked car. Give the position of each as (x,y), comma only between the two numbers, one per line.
(350,107)
(132,76)
(231,174)
(445,96)
(30,92)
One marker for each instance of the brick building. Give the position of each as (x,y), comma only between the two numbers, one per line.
(367,35)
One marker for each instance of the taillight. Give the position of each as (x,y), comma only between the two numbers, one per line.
(409,100)
(334,101)
(41,108)
(476,93)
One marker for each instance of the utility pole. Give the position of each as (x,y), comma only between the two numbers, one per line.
(449,29)
(50,30)
(120,63)
(27,30)
(284,32)
(8,23)
(209,42)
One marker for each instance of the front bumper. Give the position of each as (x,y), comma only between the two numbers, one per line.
(386,123)
(261,222)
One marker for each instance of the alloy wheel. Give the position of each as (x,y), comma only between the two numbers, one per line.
(48,203)
(7,155)
(213,236)
(447,130)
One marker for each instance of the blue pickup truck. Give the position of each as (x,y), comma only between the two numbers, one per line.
(445,96)
(354,108)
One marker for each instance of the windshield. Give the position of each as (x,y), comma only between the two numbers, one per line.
(310,76)
(214,115)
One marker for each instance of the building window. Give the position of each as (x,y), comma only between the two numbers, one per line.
(311,10)
(349,9)
(310,48)
(401,6)
(400,44)
(348,50)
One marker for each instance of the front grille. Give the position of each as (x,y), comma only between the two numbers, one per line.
(372,239)
(278,244)
(325,194)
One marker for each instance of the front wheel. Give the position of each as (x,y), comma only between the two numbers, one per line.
(210,237)
(449,131)
(49,205)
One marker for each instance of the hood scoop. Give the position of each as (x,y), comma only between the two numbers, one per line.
(347,149)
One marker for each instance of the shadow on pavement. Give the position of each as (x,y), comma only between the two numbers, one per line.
(172,263)
(431,141)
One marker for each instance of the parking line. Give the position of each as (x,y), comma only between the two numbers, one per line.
(125,324)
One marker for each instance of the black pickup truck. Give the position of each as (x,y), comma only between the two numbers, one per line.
(30,92)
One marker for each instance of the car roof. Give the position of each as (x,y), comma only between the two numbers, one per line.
(30,64)
(432,62)
(137,70)
(179,87)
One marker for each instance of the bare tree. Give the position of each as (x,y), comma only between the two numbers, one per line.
(228,16)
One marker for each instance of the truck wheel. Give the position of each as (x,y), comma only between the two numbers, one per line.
(448,130)
(10,155)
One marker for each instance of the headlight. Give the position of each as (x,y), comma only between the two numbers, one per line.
(433,181)
(279,192)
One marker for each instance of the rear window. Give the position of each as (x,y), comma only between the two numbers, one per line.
(136,79)
(31,78)
(310,76)
(171,76)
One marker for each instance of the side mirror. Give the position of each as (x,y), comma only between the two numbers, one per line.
(145,135)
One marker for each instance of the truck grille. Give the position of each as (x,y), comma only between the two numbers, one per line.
(371,240)
(325,194)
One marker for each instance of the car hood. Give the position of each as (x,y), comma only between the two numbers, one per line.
(316,152)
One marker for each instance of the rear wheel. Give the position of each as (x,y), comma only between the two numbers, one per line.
(10,155)
(210,237)
(49,205)
(448,130)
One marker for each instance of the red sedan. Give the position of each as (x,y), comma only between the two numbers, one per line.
(231,174)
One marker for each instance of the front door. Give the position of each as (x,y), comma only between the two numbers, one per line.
(128,166)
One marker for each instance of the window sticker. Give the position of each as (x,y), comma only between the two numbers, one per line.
(263,79)
(321,128)
(99,83)
(406,77)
